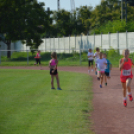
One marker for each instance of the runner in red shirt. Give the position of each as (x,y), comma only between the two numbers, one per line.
(126,76)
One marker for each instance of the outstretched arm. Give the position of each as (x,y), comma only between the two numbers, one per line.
(132,61)
(121,63)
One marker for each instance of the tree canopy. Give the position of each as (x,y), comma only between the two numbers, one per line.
(28,20)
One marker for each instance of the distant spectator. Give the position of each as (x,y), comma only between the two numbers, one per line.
(38,58)
(90,60)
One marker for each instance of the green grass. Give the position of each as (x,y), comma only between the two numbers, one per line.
(65,59)
(29,106)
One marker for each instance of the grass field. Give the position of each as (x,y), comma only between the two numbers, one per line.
(29,106)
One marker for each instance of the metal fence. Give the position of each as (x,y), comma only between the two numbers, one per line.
(80,43)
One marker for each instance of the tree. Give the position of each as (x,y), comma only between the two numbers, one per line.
(20,20)
(62,24)
(83,18)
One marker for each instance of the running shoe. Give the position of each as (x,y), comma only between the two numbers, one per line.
(130,97)
(106,84)
(125,103)
(59,88)
(98,78)
(52,88)
(100,86)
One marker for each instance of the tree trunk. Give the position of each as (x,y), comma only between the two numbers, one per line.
(8,48)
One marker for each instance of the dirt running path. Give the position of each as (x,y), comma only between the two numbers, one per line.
(109,115)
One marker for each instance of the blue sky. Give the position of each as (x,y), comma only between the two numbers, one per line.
(66,3)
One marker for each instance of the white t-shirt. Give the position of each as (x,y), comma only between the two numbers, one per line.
(96,54)
(101,64)
(90,54)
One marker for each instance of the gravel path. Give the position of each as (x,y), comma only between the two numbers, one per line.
(109,115)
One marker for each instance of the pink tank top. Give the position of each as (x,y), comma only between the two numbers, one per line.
(53,62)
(126,70)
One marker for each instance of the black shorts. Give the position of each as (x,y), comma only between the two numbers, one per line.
(90,62)
(38,61)
(107,74)
(53,73)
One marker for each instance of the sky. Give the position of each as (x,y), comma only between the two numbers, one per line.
(65,4)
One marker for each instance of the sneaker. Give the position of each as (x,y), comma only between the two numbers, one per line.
(125,103)
(92,70)
(98,78)
(88,71)
(52,88)
(100,86)
(106,84)
(59,88)
(130,97)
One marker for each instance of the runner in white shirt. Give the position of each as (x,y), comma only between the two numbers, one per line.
(96,56)
(101,66)
(90,60)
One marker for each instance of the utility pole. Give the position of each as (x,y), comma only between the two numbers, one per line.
(58,4)
(122,10)
(122,13)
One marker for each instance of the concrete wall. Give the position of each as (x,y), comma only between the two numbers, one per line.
(69,44)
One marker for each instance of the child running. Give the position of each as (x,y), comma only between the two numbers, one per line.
(126,76)
(101,66)
(96,56)
(53,70)
(90,60)
(108,68)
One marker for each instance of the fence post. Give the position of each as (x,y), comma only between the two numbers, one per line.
(126,40)
(101,40)
(80,49)
(109,39)
(69,43)
(50,43)
(87,41)
(64,43)
(94,40)
(118,41)
(58,43)
(45,44)
(0,54)
(27,57)
(75,43)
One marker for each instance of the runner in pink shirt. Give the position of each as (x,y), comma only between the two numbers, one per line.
(53,70)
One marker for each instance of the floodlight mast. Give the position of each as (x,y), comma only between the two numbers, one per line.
(58,4)
(72,5)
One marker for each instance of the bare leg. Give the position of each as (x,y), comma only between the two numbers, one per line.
(105,77)
(52,81)
(128,84)
(101,81)
(92,67)
(98,74)
(58,82)
(88,68)
(124,89)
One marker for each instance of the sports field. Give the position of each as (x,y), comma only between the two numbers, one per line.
(29,106)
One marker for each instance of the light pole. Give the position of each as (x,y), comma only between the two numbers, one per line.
(122,9)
